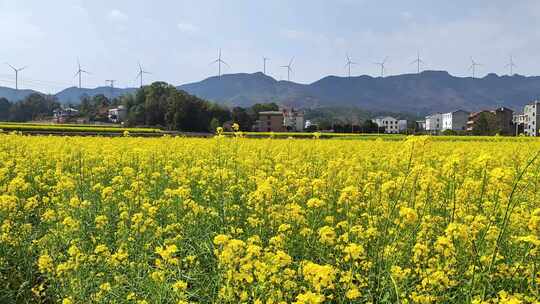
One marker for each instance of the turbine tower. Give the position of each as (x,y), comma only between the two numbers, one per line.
(289,69)
(141,73)
(265,59)
(349,64)
(219,61)
(511,65)
(16,74)
(382,65)
(418,61)
(473,66)
(79,73)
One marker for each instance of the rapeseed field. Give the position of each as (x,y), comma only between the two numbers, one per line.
(236,220)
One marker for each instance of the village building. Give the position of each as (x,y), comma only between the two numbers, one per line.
(117,114)
(293,120)
(390,124)
(433,122)
(270,121)
(455,121)
(62,115)
(531,119)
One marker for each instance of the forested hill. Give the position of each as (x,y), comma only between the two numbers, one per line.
(429,91)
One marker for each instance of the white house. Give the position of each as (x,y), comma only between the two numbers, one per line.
(293,120)
(530,119)
(420,125)
(456,120)
(390,124)
(433,122)
(64,114)
(117,114)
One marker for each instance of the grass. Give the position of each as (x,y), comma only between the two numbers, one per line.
(72,128)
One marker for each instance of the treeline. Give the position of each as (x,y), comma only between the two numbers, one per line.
(34,107)
(161,104)
(348,119)
(156,105)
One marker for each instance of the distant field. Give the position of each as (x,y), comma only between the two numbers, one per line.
(385,137)
(319,134)
(72,128)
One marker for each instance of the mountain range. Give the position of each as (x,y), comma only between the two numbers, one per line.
(426,92)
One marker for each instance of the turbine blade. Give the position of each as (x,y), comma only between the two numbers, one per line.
(11,66)
(290,62)
(225,63)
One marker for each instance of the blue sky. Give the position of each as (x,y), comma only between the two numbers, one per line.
(176,40)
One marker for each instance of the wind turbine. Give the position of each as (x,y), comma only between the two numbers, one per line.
(16,74)
(473,66)
(79,73)
(289,69)
(141,73)
(219,61)
(382,64)
(349,64)
(511,65)
(264,64)
(418,61)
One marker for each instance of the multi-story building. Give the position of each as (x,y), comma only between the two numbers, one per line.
(293,120)
(519,123)
(390,124)
(456,120)
(474,117)
(270,121)
(531,118)
(420,125)
(504,118)
(500,120)
(433,122)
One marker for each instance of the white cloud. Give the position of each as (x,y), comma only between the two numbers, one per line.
(187,27)
(117,15)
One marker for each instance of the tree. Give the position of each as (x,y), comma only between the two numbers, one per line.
(369,127)
(261,107)
(34,106)
(485,124)
(5,105)
(242,118)
(214,124)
